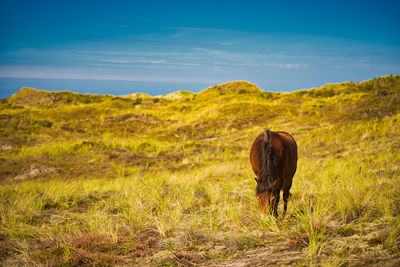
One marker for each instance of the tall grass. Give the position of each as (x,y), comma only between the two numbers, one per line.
(173,185)
(209,201)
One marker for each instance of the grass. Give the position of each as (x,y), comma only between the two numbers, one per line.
(100,180)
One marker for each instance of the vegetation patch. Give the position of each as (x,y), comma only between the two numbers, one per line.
(139,180)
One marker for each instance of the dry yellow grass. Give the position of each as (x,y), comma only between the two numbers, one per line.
(99,180)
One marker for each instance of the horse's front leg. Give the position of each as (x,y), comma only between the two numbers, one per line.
(286,196)
(275,202)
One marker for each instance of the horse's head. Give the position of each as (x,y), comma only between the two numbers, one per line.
(266,196)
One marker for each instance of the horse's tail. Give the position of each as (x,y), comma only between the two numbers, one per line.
(265,183)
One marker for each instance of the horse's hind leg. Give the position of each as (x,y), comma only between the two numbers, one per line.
(286,196)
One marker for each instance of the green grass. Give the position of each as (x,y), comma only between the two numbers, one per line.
(100,180)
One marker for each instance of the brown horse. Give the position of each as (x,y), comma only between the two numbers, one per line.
(273,157)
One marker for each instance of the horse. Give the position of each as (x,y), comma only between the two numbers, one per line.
(273,157)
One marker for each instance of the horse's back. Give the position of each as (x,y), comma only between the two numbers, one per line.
(255,154)
(289,144)
(285,146)
(289,147)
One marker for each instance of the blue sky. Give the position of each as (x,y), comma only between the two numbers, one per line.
(156,47)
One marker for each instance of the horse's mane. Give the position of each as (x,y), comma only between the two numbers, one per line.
(266,145)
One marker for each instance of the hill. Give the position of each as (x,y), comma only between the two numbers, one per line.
(29,97)
(240,87)
(166,180)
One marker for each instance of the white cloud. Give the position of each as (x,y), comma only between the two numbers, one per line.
(125,53)
(48,72)
(120,61)
(147,61)
(125,61)
(247,64)
(199,29)
(285,66)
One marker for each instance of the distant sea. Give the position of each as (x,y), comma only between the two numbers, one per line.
(9,86)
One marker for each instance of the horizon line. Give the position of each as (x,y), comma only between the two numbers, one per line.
(219,84)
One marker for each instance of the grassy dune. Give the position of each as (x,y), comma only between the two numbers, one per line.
(103,180)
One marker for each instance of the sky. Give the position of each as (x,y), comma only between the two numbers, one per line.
(156,47)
